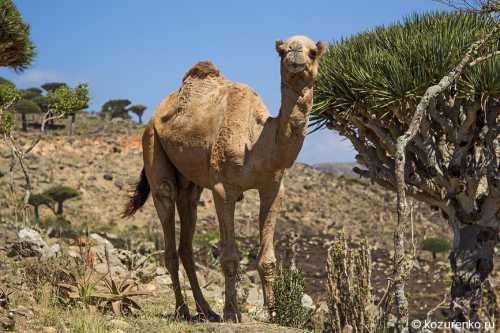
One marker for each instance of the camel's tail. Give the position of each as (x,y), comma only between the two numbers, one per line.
(139,197)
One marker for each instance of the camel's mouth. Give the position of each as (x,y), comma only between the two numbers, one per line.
(296,68)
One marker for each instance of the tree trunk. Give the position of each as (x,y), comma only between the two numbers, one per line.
(59,208)
(140,118)
(37,214)
(24,122)
(471,262)
(71,125)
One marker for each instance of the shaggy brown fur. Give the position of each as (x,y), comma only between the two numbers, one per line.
(201,70)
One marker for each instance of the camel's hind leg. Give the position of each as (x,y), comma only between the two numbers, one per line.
(161,176)
(188,196)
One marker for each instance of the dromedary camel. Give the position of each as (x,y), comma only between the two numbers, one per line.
(217,134)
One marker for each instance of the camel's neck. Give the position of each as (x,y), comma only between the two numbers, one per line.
(296,103)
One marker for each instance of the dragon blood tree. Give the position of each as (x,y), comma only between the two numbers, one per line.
(370,87)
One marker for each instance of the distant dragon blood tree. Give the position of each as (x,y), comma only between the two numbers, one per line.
(368,90)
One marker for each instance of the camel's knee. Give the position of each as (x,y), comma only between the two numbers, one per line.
(165,190)
(266,268)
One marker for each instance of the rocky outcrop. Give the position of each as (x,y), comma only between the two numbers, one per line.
(30,243)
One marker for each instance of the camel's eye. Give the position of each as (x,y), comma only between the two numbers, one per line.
(313,54)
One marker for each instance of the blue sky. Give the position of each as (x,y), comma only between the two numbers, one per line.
(140,49)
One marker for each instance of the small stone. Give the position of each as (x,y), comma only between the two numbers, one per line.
(108,176)
(52,251)
(99,240)
(307,302)
(23,311)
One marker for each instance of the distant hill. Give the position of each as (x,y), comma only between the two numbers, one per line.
(338,169)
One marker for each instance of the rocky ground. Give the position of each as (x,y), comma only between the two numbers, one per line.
(103,161)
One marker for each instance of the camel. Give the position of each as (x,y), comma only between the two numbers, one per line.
(217,134)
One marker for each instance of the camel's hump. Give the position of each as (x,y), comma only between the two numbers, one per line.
(202,70)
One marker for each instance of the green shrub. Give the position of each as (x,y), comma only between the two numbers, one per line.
(435,245)
(60,194)
(288,290)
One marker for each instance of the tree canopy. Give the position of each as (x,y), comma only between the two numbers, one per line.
(138,109)
(116,107)
(385,71)
(16,49)
(4,81)
(31,93)
(65,100)
(26,106)
(52,86)
(9,95)
(60,194)
(42,101)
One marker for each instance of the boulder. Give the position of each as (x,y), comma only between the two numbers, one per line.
(29,243)
(105,251)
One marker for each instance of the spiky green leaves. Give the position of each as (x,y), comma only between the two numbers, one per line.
(61,193)
(16,49)
(387,69)
(40,199)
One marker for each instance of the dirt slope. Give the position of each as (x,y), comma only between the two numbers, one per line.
(104,160)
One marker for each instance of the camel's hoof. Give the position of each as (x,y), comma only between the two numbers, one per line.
(207,316)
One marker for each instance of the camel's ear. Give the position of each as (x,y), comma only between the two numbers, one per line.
(321,48)
(280,47)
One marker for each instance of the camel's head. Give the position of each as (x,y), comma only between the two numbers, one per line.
(299,57)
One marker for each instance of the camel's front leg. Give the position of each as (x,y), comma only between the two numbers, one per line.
(224,200)
(271,198)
